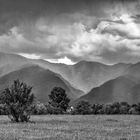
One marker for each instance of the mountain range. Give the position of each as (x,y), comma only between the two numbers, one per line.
(92,81)
(42,81)
(83,75)
(123,88)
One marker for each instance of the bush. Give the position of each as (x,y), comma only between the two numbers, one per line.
(40,109)
(18,101)
(124,108)
(97,109)
(54,110)
(116,108)
(82,107)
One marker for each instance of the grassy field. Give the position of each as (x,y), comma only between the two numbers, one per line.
(72,128)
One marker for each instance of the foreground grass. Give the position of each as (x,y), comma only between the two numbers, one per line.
(66,127)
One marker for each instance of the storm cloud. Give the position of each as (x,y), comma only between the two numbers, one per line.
(104,31)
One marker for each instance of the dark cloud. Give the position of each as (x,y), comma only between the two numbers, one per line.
(35,8)
(97,30)
(14,11)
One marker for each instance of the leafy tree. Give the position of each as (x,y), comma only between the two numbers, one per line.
(97,109)
(124,108)
(18,101)
(108,109)
(82,107)
(58,99)
(133,110)
(138,108)
(116,108)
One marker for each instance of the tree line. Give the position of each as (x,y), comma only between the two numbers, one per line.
(19,103)
(85,108)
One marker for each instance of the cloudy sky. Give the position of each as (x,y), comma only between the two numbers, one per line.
(68,31)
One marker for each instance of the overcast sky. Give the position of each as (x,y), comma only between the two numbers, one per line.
(69,31)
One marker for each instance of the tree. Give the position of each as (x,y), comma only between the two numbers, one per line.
(82,107)
(58,100)
(133,110)
(107,109)
(18,101)
(116,108)
(138,108)
(124,108)
(97,109)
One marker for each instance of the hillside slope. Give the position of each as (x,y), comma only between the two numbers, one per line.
(123,88)
(83,75)
(43,81)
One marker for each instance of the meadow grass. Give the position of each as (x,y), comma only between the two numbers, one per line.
(76,127)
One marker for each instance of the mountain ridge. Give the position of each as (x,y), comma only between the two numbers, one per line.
(43,81)
(123,88)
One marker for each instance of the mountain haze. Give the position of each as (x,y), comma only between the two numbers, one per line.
(43,81)
(124,88)
(83,75)
(92,74)
(103,83)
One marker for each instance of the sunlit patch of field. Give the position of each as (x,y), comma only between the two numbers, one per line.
(67,127)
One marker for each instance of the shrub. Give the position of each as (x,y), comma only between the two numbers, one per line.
(97,109)
(40,109)
(18,101)
(82,107)
(124,108)
(54,110)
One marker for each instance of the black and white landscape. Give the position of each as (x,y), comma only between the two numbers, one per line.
(85,80)
(87,49)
